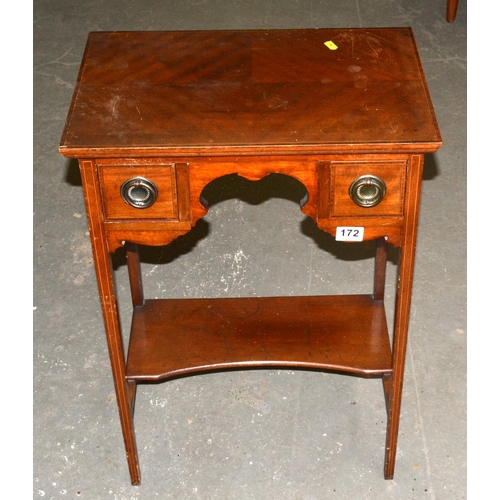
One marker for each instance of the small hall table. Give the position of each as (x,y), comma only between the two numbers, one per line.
(156,116)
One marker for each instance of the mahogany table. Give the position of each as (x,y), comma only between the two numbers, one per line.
(156,116)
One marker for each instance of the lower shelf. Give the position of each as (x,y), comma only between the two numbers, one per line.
(171,337)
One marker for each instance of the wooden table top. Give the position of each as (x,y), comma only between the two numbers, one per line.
(250,92)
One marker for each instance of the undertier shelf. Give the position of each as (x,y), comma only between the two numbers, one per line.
(171,337)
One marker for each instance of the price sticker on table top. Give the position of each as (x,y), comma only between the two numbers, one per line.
(331,45)
(344,233)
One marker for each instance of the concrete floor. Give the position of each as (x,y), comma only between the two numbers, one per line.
(265,434)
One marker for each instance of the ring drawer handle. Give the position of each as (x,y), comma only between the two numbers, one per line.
(367,190)
(139,192)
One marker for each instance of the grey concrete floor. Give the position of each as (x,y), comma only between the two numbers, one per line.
(264,434)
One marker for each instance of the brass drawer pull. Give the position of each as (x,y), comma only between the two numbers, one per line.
(367,191)
(139,192)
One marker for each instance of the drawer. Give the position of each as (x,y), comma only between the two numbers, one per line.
(366,182)
(138,189)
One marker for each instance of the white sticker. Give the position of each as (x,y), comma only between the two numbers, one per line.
(349,233)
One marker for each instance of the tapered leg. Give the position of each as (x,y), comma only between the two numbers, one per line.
(134,273)
(402,310)
(132,389)
(395,384)
(380,269)
(135,279)
(117,357)
(104,274)
(386,384)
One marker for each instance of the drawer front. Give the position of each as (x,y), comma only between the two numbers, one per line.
(377,186)
(128,188)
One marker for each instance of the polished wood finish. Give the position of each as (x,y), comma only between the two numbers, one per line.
(239,92)
(184,336)
(185,108)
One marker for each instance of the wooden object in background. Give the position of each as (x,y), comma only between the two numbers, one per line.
(451,10)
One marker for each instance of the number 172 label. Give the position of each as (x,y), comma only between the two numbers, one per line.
(349,233)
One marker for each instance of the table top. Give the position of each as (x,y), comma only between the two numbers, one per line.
(250,92)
